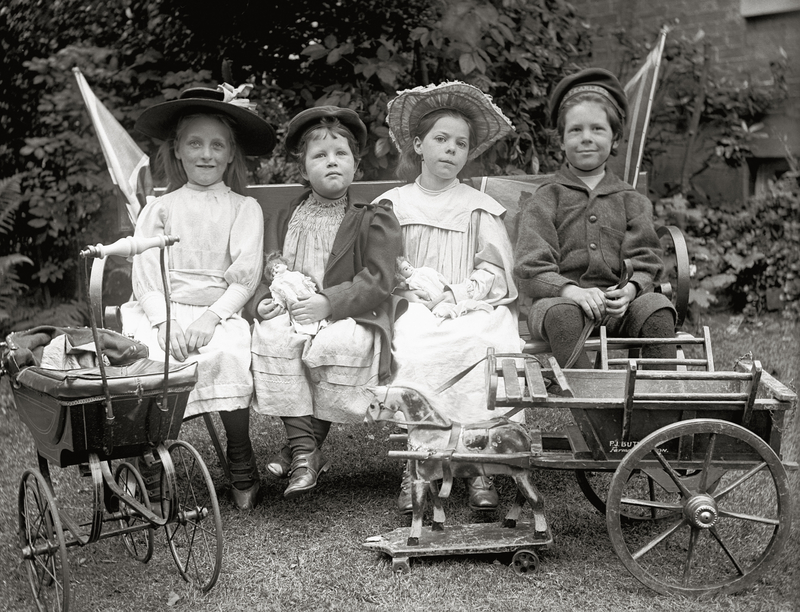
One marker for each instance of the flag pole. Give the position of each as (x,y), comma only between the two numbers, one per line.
(660,50)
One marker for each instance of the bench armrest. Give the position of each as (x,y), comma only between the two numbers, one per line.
(677,287)
(110,316)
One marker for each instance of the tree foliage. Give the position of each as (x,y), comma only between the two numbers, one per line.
(308,52)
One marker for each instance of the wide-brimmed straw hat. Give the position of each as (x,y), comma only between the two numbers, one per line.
(312,117)
(253,135)
(410,106)
(594,80)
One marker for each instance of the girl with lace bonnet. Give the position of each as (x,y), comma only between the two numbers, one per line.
(459,232)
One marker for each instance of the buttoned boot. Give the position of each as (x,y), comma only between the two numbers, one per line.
(405,504)
(245,483)
(280,464)
(245,479)
(304,473)
(482,494)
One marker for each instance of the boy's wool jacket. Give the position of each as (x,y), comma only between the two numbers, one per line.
(360,272)
(568,233)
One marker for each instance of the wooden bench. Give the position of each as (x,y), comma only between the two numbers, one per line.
(510,191)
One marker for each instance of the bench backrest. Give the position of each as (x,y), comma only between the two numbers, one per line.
(507,190)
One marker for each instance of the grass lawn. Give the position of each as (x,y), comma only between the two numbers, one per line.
(307,554)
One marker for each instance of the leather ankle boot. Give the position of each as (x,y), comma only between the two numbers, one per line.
(305,470)
(482,494)
(245,483)
(404,503)
(281,463)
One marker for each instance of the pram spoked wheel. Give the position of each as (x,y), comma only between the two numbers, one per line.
(44,549)
(194,531)
(139,542)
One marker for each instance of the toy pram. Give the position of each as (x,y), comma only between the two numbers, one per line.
(121,405)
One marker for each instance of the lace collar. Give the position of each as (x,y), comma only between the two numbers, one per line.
(313,200)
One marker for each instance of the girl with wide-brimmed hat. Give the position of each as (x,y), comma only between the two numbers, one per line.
(215,267)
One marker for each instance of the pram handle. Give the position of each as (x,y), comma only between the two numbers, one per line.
(129,246)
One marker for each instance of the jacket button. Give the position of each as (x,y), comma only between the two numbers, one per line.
(593,246)
(592,218)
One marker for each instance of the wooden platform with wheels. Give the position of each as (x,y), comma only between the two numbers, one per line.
(521,542)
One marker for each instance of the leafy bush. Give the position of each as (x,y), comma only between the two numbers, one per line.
(10,285)
(744,259)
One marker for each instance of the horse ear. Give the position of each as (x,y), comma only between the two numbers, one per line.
(379,391)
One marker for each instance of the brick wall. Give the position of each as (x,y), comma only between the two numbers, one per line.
(741,46)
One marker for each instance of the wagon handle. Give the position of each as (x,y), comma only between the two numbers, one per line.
(627,273)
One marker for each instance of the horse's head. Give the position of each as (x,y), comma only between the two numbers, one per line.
(384,406)
(411,401)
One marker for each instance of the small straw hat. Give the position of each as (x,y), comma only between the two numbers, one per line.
(254,135)
(411,105)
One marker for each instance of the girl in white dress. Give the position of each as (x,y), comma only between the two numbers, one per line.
(459,232)
(215,267)
(348,248)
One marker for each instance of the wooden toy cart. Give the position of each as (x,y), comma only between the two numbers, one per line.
(110,421)
(685,464)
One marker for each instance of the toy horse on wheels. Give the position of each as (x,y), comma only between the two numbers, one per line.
(442,449)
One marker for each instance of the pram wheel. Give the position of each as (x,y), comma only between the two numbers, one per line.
(194,533)
(138,543)
(42,543)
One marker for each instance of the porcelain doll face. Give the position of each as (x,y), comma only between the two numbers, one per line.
(587,138)
(204,150)
(405,269)
(329,166)
(444,151)
(278,268)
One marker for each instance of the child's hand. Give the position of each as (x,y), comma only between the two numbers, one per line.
(176,343)
(592,300)
(447,298)
(618,300)
(311,309)
(268,309)
(199,333)
(409,295)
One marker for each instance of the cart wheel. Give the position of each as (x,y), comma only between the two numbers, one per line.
(595,485)
(400,565)
(525,561)
(42,543)
(139,543)
(723,534)
(195,533)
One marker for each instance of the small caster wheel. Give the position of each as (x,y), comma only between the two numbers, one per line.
(525,562)
(400,565)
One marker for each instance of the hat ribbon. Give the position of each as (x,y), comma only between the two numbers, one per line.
(237,95)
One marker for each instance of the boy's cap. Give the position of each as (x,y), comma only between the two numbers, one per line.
(594,80)
(254,135)
(311,118)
